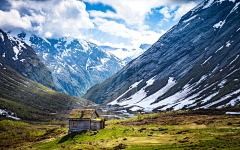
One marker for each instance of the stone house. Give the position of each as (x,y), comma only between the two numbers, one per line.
(85,119)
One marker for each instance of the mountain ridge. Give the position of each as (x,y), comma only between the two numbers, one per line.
(75,64)
(22,58)
(22,98)
(164,78)
(29,100)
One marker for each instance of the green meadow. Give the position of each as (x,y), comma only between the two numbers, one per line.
(178,130)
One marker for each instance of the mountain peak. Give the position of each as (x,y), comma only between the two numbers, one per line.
(22,58)
(76,64)
(193,65)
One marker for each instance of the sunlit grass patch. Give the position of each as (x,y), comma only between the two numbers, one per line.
(180,132)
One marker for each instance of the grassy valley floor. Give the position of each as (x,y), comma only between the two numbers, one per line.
(169,130)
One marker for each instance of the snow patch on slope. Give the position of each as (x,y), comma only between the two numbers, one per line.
(88,63)
(206,60)
(150,99)
(208,98)
(135,108)
(235,7)
(219,24)
(84,45)
(130,88)
(233,60)
(222,99)
(139,99)
(179,100)
(7,114)
(1,35)
(22,60)
(185,21)
(222,83)
(45,56)
(219,49)
(16,51)
(210,2)
(68,41)
(228,44)
(104,60)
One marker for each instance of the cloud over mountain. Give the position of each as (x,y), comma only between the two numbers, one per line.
(108,22)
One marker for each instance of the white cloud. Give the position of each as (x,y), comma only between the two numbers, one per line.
(120,45)
(62,18)
(114,28)
(149,37)
(48,34)
(167,11)
(136,37)
(164,20)
(184,8)
(134,12)
(13,19)
(108,14)
(131,52)
(57,18)
(170,12)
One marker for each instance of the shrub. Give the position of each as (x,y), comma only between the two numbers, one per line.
(139,116)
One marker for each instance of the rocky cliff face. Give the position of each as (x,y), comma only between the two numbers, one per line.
(194,65)
(75,64)
(22,58)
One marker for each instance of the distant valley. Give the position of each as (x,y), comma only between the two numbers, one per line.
(193,65)
(127,54)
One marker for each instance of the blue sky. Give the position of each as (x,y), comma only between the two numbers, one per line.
(116,23)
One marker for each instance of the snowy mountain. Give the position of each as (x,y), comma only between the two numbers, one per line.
(75,64)
(127,54)
(20,97)
(23,59)
(195,64)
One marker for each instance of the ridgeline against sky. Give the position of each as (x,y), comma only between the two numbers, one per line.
(116,23)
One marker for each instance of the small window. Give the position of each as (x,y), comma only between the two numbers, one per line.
(91,123)
(74,123)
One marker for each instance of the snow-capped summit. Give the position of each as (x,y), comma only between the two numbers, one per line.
(76,64)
